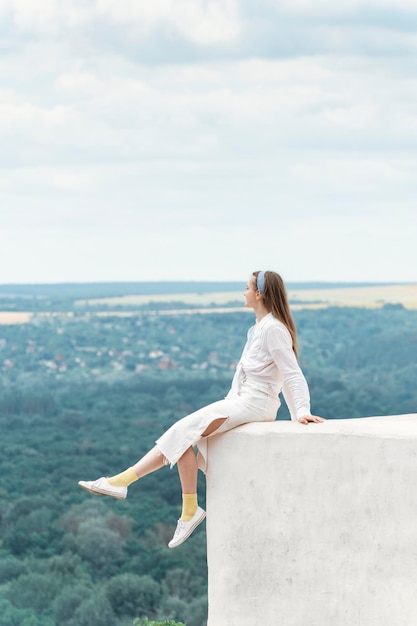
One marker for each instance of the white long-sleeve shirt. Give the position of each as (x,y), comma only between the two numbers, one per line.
(268,361)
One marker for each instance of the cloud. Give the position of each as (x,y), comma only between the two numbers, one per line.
(165,31)
(195,20)
(253,129)
(201,22)
(344,7)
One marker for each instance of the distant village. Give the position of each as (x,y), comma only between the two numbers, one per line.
(65,345)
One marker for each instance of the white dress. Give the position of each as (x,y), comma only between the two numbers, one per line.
(267,366)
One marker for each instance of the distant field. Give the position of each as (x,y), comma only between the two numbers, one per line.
(313,298)
(371,297)
(361,296)
(198,299)
(14,318)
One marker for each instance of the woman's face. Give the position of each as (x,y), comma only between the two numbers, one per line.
(251,291)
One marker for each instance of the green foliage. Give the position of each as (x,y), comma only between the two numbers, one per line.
(67,603)
(33,590)
(31,533)
(94,611)
(69,559)
(10,567)
(146,622)
(11,616)
(99,546)
(131,595)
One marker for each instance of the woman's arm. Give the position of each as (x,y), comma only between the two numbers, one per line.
(295,389)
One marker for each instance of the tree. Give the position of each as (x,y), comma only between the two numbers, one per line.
(33,590)
(99,545)
(67,602)
(11,616)
(10,567)
(133,595)
(94,611)
(145,622)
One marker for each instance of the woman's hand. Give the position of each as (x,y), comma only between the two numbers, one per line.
(310,418)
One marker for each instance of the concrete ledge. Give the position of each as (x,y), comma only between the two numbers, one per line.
(313,525)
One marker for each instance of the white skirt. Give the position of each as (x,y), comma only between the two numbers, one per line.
(249,404)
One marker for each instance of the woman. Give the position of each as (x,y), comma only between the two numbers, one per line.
(268,365)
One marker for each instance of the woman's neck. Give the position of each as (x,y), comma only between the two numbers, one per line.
(260,311)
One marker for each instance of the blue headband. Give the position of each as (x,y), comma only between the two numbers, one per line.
(260,282)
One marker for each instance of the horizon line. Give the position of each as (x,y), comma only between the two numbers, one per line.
(206,281)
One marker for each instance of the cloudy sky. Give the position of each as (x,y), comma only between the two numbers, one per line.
(191,139)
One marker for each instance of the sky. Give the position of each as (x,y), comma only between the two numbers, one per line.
(203,140)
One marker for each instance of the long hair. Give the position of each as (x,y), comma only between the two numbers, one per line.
(276,302)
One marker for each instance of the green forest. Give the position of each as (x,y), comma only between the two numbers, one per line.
(85,395)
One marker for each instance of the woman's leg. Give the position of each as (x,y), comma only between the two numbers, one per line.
(215,424)
(187,464)
(188,471)
(192,515)
(116,486)
(152,461)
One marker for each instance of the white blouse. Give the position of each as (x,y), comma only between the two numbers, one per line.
(269,363)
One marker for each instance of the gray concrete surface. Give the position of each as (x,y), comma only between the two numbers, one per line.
(313,525)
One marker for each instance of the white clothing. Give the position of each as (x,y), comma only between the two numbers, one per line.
(267,366)
(248,405)
(268,361)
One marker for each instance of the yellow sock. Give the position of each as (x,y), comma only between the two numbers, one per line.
(189,506)
(124,479)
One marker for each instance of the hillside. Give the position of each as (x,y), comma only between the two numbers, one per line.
(85,395)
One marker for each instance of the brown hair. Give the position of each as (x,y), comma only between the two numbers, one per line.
(276,301)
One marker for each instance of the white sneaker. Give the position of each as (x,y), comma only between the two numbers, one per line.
(102,487)
(184,529)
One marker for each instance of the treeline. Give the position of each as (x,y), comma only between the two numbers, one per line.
(68,558)
(78,291)
(64,297)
